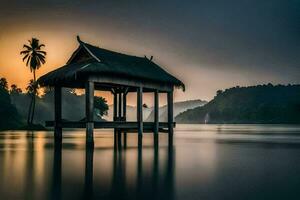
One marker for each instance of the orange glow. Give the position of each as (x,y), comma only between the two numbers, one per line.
(14,69)
(59,48)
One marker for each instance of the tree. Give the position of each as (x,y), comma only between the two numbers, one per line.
(14,89)
(9,116)
(31,91)
(35,58)
(100,104)
(219,92)
(3,84)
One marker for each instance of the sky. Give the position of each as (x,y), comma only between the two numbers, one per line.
(208,44)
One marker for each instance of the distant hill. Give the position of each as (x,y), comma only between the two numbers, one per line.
(178,108)
(130,112)
(255,104)
(73,106)
(148,114)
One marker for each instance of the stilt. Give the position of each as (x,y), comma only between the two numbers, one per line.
(140,114)
(156,116)
(124,118)
(89,97)
(115,115)
(170,116)
(119,119)
(57,115)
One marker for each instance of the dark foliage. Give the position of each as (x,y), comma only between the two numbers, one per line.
(73,105)
(14,106)
(101,106)
(9,117)
(255,104)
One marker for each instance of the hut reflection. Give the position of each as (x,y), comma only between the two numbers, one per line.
(56,173)
(88,178)
(156,183)
(154,179)
(30,166)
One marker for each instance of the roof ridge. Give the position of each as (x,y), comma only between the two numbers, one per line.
(90,52)
(108,50)
(114,52)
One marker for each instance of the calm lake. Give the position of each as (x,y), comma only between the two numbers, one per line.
(205,162)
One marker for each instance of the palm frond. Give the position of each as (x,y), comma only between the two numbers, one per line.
(25,52)
(25,57)
(38,63)
(41,45)
(42,52)
(28,60)
(41,56)
(43,61)
(27,47)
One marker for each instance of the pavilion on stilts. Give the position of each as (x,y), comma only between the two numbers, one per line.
(93,68)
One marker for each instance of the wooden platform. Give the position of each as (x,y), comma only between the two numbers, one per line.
(116,124)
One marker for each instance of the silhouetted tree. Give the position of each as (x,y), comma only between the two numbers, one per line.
(32,91)
(3,84)
(9,117)
(101,106)
(219,92)
(34,57)
(14,89)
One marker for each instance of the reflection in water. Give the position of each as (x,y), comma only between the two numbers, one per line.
(156,185)
(30,167)
(210,162)
(56,174)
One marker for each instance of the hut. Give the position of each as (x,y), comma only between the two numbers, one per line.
(93,68)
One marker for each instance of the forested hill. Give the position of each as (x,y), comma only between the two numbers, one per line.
(254,104)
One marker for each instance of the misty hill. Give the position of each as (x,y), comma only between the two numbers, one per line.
(130,113)
(73,106)
(255,104)
(148,113)
(178,108)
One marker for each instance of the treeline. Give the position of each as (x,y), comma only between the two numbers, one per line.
(254,104)
(15,106)
(9,116)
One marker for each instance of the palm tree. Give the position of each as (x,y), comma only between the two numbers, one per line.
(35,58)
(30,92)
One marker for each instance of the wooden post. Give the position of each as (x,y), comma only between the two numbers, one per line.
(124,117)
(156,116)
(170,115)
(57,115)
(115,115)
(120,106)
(89,102)
(119,119)
(115,106)
(139,114)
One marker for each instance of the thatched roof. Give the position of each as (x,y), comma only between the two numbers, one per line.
(91,60)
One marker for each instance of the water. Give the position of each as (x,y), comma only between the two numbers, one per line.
(205,162)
